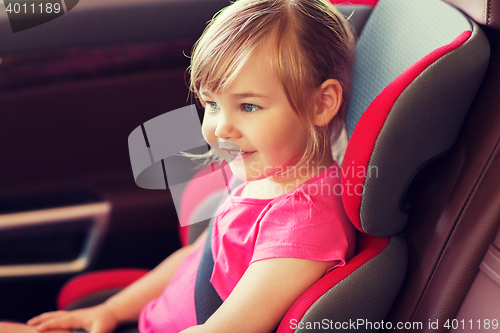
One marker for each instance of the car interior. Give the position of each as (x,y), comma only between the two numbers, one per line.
(77,224)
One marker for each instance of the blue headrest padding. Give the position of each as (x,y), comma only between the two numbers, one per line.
(398,34)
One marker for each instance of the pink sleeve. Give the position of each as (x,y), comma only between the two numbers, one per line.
(305,227)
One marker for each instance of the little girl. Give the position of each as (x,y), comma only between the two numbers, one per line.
(272,76)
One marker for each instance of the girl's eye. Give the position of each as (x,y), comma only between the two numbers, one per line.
(250,107)
(212,106)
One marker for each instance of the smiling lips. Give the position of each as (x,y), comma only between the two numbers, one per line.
(236,153)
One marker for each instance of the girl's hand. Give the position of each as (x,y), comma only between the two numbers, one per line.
(97,319)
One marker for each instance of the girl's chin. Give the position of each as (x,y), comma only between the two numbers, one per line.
(247,174)
(242,174)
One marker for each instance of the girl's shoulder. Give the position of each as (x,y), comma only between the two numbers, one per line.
(309,219)
(321,195)
(325,185)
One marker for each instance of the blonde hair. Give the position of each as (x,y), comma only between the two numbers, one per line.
(313,44)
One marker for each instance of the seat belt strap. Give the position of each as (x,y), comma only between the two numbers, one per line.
(206,298)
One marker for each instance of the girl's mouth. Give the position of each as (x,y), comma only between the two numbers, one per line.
(229,151)
(236,153)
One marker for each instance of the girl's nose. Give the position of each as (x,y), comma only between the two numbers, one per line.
(226,128)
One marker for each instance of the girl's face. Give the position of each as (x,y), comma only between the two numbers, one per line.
(254,115)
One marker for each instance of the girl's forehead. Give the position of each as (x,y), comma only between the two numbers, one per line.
(261,64)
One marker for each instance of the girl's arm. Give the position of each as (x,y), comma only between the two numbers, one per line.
(264,294)
(122,307)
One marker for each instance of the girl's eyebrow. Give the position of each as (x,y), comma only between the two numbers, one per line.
(246,95)
(238,95)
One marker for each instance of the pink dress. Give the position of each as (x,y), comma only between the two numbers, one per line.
(308,222)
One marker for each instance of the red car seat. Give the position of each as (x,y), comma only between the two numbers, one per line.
(413,85)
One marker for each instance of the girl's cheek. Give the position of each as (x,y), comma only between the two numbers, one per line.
(208,131)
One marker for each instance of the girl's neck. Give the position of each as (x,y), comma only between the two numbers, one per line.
(273,187)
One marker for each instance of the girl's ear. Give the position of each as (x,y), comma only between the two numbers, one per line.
(329,101)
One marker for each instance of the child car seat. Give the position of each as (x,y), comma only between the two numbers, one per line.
(413,84)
